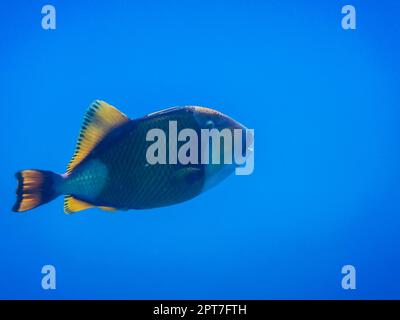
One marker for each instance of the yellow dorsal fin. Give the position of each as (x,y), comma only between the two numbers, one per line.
(74,205)
(99,120)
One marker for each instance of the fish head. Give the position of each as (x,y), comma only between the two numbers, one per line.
(231,155)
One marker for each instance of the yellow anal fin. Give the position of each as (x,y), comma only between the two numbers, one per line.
(74,205)
(99,120)
(109,209)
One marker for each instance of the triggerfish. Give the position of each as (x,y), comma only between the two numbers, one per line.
(110,168)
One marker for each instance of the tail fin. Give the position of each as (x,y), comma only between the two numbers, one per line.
(35,187)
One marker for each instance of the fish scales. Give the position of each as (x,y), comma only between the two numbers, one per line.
(132,182)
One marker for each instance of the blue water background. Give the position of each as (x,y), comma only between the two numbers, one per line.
(325,106)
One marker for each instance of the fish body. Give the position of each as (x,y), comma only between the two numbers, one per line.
(110,168)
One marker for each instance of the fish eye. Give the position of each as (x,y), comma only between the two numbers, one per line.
(210,124)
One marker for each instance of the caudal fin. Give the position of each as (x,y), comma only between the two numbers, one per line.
(35,187)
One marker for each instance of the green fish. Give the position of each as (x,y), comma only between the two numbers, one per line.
(110,168)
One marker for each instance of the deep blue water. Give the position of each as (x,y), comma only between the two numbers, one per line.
(324,103)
